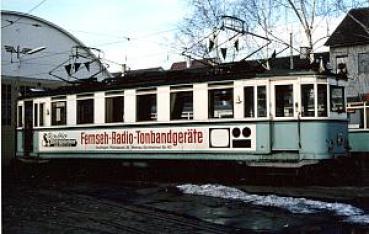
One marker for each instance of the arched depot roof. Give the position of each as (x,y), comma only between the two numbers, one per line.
(22,32)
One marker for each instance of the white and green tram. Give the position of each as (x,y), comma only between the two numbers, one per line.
(276,119)
(358,113)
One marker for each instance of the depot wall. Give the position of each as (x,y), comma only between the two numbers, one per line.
(21,71)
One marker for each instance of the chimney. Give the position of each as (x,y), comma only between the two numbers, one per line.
(305,52)
(188,62)
(321,66)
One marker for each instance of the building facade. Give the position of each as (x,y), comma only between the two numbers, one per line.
(349,52)
(37,54)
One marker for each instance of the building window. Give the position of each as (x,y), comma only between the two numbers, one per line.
(20,116)
(35,111)
(181,105)
(249,102)
(6,104)
(146,107)
(114,109)
(322,100)
(337,99)
(221,103)
(59,113)
(284,100)
(363,60)
(341,64)
(41,114)
(262,102)
(85,111)
(307,100)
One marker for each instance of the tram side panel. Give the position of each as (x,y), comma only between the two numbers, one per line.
(323,139)
(233,141)
(312,140)
(284,141)
(359,141)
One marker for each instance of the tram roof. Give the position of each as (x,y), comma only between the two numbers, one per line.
(153,78)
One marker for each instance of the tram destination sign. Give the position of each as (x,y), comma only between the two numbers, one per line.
(143,139)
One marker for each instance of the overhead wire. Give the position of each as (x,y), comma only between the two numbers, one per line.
(19,18)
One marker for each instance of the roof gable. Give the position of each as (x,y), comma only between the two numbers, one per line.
(350,31)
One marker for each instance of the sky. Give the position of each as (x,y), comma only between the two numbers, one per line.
(139,33)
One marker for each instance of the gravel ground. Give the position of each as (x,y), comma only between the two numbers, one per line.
(64,202)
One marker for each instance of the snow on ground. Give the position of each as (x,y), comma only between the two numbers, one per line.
(295,205)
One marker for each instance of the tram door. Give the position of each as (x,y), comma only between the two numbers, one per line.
(28,128)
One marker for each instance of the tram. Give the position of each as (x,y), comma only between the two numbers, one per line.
(260,117)
(358,114)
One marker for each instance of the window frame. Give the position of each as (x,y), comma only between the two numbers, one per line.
(252,102)
(327,104)
(257,101)
(20,116)
(275,99)
(53,123)
(35,114)
(181,89)
(41,115)
(331,87)
(118,95)
(147,92)
(364,109)
(359,72)
(85,98)
(212,87)
(308,100)
(341,57)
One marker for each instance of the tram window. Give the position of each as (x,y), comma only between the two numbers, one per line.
(262,102)
(35,119)
(41,114)
(356,118)
(85,111)
(284,100)
(337,99)
(221,103)
(146,107)
(58,113)
(20,116)
(249,101)
(322,100)
(114,108)
(181,105)
(367,117)
(307,100)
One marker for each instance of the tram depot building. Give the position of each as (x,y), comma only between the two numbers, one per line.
(22,70)
(31,47)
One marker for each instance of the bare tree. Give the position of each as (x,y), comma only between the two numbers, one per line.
(265,17)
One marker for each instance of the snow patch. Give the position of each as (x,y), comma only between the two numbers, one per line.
(294,205)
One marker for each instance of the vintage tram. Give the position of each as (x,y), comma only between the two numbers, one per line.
(358,113)
(239,111)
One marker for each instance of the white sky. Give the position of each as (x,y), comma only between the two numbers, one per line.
(150,25)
